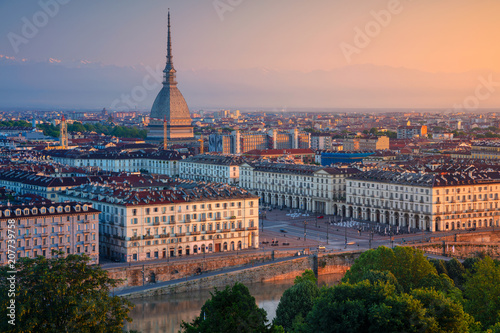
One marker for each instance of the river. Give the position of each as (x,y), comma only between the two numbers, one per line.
(165,313)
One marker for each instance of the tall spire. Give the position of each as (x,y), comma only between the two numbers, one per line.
(169,76)
(170,63)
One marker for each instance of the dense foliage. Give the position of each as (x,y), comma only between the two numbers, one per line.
(118,131)
(398,290)
(15,123)
(297,301)
(61,295)
(230,310)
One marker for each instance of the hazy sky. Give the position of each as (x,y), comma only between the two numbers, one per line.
(248,53)
(428,35)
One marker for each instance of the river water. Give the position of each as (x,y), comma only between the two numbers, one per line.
(165,313)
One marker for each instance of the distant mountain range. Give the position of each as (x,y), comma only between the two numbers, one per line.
(59,85)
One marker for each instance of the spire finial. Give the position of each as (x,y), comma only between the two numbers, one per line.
(170,63)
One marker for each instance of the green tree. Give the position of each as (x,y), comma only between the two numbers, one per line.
(440,266)
(381,276)
(391,135)
(456,272)
(482,292)
(297,301)
(230,310)
(366,307)
(307,275)
(62,294)
(408,265)
(449,315)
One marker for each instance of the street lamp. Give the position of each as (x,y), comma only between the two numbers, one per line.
(345,225)
(305,230)
(327,226)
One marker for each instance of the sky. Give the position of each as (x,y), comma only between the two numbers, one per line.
(221,39)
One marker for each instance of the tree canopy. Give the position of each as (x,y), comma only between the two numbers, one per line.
(377,307)
(482,292)
(118,131)
(230,310)
(408,265)
(62,294)
(297,301)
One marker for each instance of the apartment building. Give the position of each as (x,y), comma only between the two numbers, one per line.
(487,150)
(366,144)
(192,218)
(298,186)
(239,143)
(211,168)
(163,162)
(412,131)
(434,202)
(41,229)
(28,182)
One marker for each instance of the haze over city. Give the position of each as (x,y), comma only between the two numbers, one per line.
(252,54)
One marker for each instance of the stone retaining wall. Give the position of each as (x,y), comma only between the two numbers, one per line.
(327,264)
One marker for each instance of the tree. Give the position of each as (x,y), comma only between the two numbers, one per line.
(449,315)
(297,301)
(482,292)
(230,310)
(62,294)
(307,275)
(366,307)
(456,272)
(408,265)
(391,135)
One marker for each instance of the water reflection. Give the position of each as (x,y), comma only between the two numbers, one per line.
(165,313)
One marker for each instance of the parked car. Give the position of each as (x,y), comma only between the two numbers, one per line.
(321,217)
(283,230)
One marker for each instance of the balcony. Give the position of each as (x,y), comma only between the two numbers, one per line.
(164,235)
(180,234)
(156,223)
(252,228)
(211,232)
(226,230)
(239,229)
(194,233)
(134,238)
(148,237)
(203,219)
(217,218)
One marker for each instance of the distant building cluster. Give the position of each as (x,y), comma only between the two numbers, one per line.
(239,143)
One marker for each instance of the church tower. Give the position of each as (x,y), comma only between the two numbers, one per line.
(170,105)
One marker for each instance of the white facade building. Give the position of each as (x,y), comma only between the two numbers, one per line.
(298,186)
(435,202)
(211,168)
(138,225)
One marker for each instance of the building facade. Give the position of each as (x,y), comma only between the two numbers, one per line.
(433,202)
(366,144)
(139,225)
(42,229)
(321,141)
(296,186)
(211,168)
(239,143)
(412,131)
(163,162)
(488,150)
